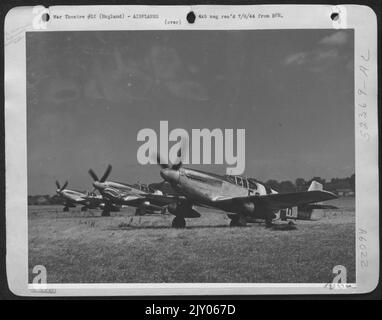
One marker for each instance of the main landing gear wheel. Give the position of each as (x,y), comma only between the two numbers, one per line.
(179,223)
(139,212)
(268,224)
(105,213)
(66,209)
(83,209)
(237,222)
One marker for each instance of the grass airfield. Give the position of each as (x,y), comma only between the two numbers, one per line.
(83,247)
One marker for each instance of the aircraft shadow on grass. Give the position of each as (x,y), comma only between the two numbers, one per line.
(137,227)
(276,227)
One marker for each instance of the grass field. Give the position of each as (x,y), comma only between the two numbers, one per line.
(77,247)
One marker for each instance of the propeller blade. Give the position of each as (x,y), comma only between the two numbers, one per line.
(93,175)
(159,161)
(58,185)
(179,153)
(106,174)
(64,186)
(177,166)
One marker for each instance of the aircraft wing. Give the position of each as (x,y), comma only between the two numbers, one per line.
(156,199)
(287,200)
(160,199)
(277,201)
(131,198)
(321,206)
(79,199)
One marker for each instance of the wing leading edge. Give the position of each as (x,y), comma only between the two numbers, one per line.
(277,201)
(157,199)
(287,200)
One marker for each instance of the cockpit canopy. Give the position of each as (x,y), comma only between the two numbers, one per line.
(247,183)
(143,187)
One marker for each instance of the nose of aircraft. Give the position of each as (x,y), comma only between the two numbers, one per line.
(170,175)
(98,185)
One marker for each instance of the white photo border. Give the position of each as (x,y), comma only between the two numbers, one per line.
(362,19)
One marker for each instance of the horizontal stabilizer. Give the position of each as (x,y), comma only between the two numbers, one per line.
(320,206)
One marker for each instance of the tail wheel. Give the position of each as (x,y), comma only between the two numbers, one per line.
(179,223)
(268,223)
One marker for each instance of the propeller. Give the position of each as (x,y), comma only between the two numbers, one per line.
(59,188)
(106,173)
(178,165)
(175,166)
(160,162)
(104,176)
(171,173)
(93,175)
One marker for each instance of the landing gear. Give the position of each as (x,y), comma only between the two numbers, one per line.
(179,223)
(139,212)
(105,213)
(66,209)
(237,221)
(268,223)
(83,209)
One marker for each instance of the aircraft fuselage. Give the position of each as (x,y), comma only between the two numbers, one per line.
(72,197)
(204,188)
(125,194)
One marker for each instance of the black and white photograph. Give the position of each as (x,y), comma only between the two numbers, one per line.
(92,95)
(177,156)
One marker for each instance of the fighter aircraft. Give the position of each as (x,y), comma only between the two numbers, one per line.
(72,198)
(243,198)
(145,199)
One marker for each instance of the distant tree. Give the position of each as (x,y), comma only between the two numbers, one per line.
(56,199)
(300,184)
(286,187)
(274,184)
(32,200)
(318,179)
(352,182)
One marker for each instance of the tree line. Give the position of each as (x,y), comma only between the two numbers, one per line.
(301,184)
(285,186)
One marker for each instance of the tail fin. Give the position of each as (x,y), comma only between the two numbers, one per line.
(315,186)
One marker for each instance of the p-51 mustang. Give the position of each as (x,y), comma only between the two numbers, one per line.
(72,198)
(245,199)
(145,199)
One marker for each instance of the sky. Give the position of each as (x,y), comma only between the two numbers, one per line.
(89,93)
